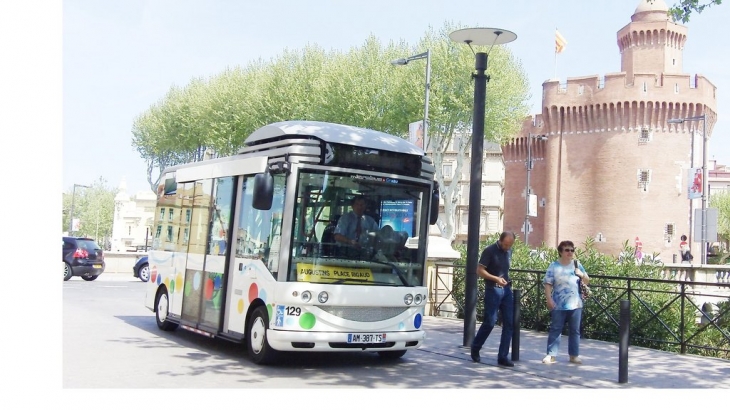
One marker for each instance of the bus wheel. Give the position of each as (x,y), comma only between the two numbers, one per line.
(392,354)
(162,308)
(67,272)
(258,345)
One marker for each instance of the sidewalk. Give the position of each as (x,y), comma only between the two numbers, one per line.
(647,368)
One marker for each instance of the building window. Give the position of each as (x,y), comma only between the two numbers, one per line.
(644,135)
(448,171)
(644,87)
(676,88)
(169,233)
(669,230)
(169,215)
(130,230)
(644,177)
(162,213)
(186,236)
(674,61)
(158,232)
(580,90)
(187,216)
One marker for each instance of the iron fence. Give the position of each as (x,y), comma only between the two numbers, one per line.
(684,316)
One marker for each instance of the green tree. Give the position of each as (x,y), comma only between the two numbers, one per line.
(721,202)
(358,87)
(682,10)
(94,207)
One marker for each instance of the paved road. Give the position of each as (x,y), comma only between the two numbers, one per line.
(110,340)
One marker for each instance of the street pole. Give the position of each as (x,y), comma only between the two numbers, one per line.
(479,37)
(705,186)
(404,61)
(71,212)
(475,197)
(527,190)
(425,108)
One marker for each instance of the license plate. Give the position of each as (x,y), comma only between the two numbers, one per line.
(97,266)
(366,338)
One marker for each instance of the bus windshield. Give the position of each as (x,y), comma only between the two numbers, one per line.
(358,229)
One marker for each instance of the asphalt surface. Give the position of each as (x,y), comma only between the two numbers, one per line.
(443,362)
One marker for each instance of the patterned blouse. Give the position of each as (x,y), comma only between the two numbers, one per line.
(566,293)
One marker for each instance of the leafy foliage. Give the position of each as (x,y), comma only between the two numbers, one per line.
(94,207)
(685,8)
(358,87)
(661,318)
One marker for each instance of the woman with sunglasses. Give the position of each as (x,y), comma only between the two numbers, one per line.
(564,301)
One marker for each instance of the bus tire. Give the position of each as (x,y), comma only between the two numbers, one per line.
(391,354)
(256,341)
(162,309)
(67,272)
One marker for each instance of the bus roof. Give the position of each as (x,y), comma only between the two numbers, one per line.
(334,133)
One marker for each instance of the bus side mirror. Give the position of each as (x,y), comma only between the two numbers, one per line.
(263,191)
(434,204)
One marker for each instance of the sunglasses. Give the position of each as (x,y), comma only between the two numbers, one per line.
(568,250)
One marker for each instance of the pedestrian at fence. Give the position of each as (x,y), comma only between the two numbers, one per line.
(563,296)
(494,265)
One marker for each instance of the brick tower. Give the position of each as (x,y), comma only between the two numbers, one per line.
(612,168)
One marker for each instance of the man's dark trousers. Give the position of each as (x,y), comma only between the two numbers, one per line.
(496,298)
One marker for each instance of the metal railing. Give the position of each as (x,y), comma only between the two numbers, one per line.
(684,316)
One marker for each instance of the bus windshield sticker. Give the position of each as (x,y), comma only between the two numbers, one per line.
(307,272)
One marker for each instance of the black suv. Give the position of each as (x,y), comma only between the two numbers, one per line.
(82,257)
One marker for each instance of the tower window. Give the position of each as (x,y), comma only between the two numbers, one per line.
(644,177)
(644,135)
(674,61)
(669,230)
(676,88)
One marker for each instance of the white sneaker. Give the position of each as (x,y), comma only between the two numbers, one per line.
(549,359)
(576,360)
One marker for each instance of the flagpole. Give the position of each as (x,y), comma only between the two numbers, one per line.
(555,70)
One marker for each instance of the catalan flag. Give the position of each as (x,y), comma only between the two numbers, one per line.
(559,42)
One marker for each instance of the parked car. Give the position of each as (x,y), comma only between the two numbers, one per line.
(82,257)
(142,269)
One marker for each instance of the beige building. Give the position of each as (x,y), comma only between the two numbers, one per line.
(493,179)
(133,219)
(612,168)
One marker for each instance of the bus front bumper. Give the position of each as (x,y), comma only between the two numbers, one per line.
(337,341)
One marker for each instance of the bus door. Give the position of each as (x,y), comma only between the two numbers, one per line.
(209,235)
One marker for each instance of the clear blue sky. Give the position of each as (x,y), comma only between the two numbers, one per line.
(120,57)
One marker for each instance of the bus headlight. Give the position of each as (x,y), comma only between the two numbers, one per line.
(418,299)
(408,299)
(323,297)
(306,296)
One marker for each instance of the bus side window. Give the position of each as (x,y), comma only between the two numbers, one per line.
(259,231)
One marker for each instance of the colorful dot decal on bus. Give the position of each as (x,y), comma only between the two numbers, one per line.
(188,289)
(153,277)
(172,285)
(401,326)
(196,281)
(270,310)
(307,321)
(208,289)
(262,295)
(240,306)
(417,321)
(290,321)
(179,282)
(253,292)
(217,282)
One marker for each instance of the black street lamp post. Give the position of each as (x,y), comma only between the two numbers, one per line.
(479,37)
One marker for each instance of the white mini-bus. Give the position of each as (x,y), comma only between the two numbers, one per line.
(243,246)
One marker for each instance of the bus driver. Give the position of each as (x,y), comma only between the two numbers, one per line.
(354,223)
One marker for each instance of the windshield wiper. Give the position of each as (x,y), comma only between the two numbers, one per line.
(395,269)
